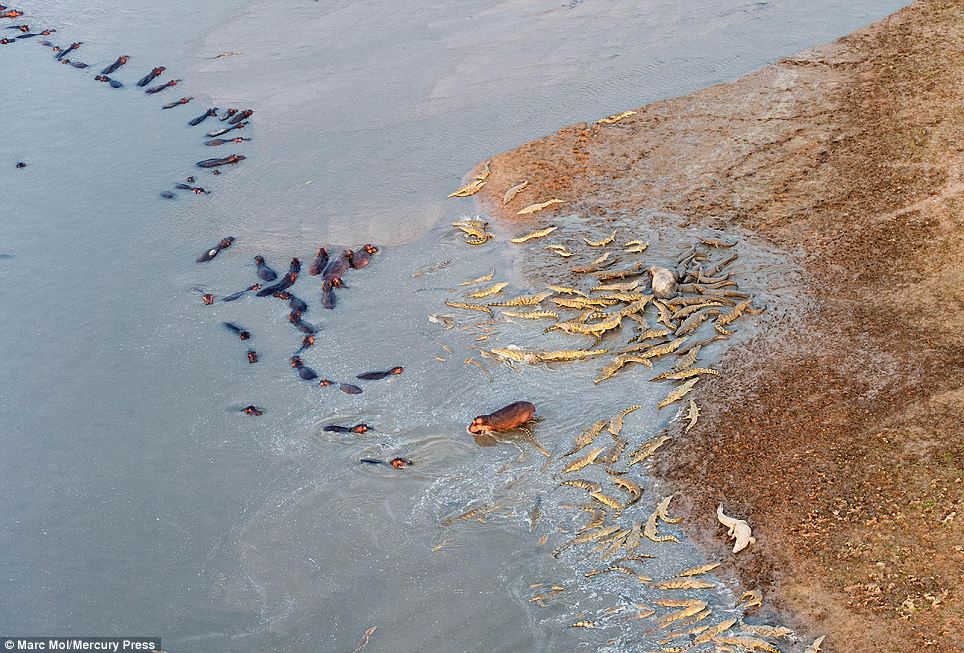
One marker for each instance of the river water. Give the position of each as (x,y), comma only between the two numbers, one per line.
(135,497)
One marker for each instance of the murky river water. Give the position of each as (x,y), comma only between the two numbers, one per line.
(135,498)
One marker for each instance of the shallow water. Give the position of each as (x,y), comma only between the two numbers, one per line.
(136,499)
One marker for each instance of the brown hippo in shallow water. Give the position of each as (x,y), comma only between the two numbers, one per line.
(484,428)
(505,419)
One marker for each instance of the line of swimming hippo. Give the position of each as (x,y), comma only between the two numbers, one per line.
(234,119)
(330,269)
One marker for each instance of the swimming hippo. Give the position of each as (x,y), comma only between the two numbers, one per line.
(397,463)
(73,46)
(357,428)
(305,327)
(337,267)
(204,116)
(161,87)
(121,60)
(225,130)
(264,272)
(375,376)
(363,256)
(327,295)
(294,303)
(306,373)
(214,163)
(151,76)
(183,100)
(214,251)
(321,261)
(241,116)
(241,293)
(286,282)
(215,142)
(197,190)
(243,334)
(113,82)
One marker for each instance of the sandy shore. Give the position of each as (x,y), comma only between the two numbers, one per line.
(837,434)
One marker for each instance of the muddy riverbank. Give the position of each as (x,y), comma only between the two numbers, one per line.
(837,432)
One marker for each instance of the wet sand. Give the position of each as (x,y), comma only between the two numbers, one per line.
(837,432)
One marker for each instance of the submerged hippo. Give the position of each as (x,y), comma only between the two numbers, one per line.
(161,87)
(375,376)
(204,116)
(214,251)
(397,463)
(121,60)
(320,262)
(357,428)
(151,76)
(214,163)
(363,256)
